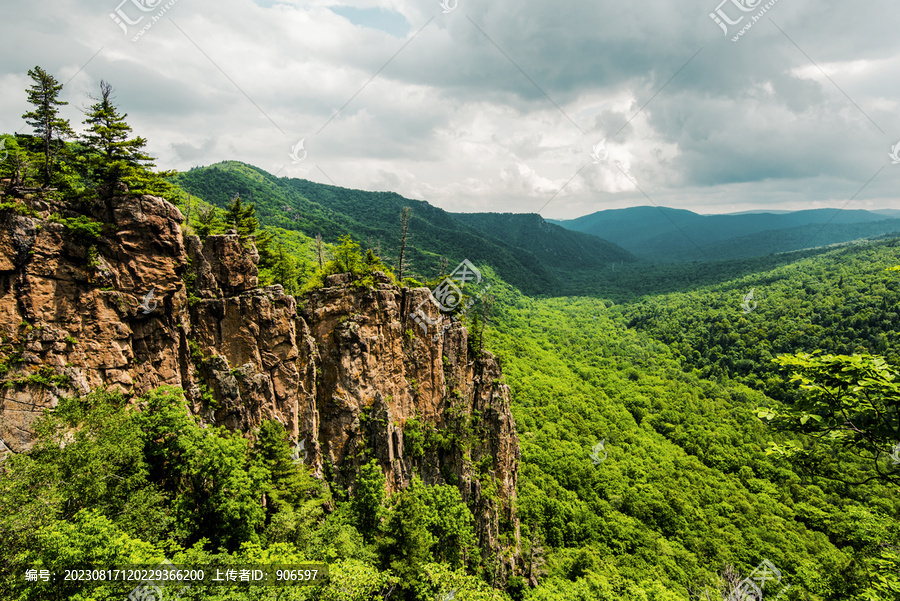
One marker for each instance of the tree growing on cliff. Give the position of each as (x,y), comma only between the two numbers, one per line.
(111,155)
(17,165)
(45,118)
(242,217)
(347,256)
(280,267)
(208,222)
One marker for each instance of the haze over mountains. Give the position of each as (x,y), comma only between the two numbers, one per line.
(666,234)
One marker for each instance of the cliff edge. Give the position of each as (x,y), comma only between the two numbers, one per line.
(115,296)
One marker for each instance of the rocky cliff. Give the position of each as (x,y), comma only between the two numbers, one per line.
(123,300)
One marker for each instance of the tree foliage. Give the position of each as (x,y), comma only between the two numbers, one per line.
(850,404)
(112,156)
(49,127)
(242,217)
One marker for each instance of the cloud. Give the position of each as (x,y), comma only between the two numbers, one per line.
(494,106)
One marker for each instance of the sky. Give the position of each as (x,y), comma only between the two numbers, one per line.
(557,107)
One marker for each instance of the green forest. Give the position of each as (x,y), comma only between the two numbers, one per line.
(674,436)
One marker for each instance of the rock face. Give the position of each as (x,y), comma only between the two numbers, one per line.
(348,373)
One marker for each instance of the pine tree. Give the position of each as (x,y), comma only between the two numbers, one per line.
(368,501)
(286,271)
(242,217)
(113,157)
(347,257)
(45,119)
(17,165)
(406,544)
(208,222)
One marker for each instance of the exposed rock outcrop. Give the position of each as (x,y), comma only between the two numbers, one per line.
(348,373)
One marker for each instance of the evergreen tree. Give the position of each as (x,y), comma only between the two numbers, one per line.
(288,483)
(367,503)
(286,271)
(113,157)
(265,246)
(208,222)
(45,118)
(241,217)
(347,257)
(406,545)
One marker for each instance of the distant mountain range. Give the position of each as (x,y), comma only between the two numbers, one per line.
(665,234)
(538,256)
(535,256)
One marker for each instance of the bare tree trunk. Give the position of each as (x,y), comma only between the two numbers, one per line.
(319,250)
(487,308)
(405,216)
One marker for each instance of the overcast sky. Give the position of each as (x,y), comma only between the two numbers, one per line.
(496,106)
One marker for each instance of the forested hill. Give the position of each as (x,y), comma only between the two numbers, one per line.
(556,246)
(219,393)
(687,478)
(666,234)
(537,265)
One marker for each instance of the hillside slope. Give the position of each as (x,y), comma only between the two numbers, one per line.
(537,264)
(554,245)
(681,483)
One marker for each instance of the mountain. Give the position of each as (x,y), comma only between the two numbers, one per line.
(554,245)
(421,459)
(526,251)
(661,233)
